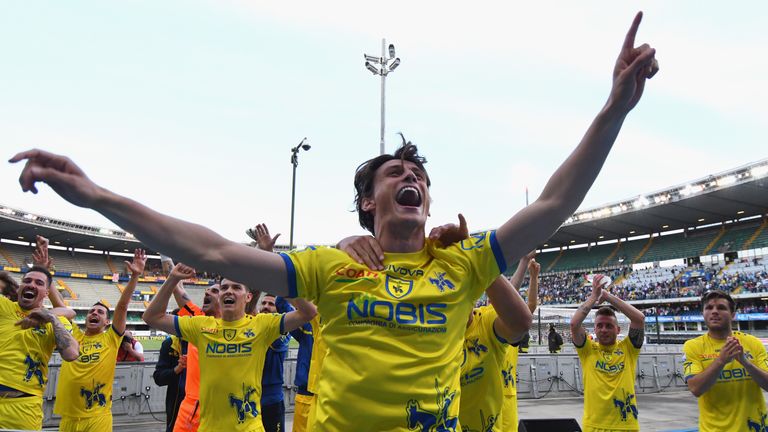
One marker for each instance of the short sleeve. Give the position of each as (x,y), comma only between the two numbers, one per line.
(487,320)
(480,255)
(6,306)
(189,328)
(584,350)
(692,366)
(270,325)
(114,337)
(301,270)
(759,354)
(630,349)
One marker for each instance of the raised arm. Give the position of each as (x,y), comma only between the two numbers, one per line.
(567,187)
(264,241)
(578,334)
(636,332)
(188,242)
(136,268)
(41,258)
(155,315)
(533,286)
(303,314)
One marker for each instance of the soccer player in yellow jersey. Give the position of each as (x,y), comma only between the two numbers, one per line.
(394,335)
(231,350)
(727,370)
(608,367)
(84,392)
(509,417)
(488,338)
(29,335)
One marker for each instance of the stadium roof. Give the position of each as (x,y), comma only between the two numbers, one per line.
(728,196)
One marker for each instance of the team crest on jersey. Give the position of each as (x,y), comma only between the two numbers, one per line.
(230,334)
(398,288)
(476,348)
(244,406)
(425,421)
(441,282)
(249,333)
(626,406)
(93,397)
(607,355)
(475,241)
(33,370)
(508,375)
(753,425)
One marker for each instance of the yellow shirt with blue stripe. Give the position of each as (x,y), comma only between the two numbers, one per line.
(482,380)
(735,402)
(395,336)
(25,353)
(609,385)
(231,358)
(85,385)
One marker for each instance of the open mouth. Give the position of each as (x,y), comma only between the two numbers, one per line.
(408,196)
(228,300)
(206,300)
(28,294)
(93,320)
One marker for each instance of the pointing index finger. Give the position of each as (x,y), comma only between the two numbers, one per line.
(629,40)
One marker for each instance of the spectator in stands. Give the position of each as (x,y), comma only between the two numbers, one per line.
(169,370)
(231,364)
(8,286)
(554,340)
(608,367)
(84,393)
(131,350)
(30,333)
(727,370)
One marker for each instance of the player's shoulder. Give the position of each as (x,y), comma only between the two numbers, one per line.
(695,343)
(747,338)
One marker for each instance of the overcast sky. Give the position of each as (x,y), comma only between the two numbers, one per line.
(192,106)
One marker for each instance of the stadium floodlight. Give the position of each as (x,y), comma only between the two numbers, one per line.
(726,181)
(388,63)
(616,209)
(740,212)
(372,68)
(295,162)
(641,202)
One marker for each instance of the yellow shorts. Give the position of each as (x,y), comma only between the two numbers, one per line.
(509,414)
(188,418)
(301,408)
(102,423)
(21,413)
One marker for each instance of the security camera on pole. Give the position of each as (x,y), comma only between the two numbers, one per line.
(385,65)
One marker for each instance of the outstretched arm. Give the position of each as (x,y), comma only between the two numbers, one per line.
(188,242)
(121,309)
(578,334)
(155,315)
(567,187)
(533,286)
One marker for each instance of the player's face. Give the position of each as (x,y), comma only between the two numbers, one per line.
(717,316)
(211,300)
(96,319)
(400,192)
(233,296)
(268,305)
(33,289)
(606,329)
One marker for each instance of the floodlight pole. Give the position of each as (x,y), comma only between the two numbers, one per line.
(295,162)
(383,85)
(386,64)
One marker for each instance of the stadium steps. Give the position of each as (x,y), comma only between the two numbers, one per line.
(714,241)
(66,287)
(612,254)
(557,258)
(8,257)
(643,250)
(755,236)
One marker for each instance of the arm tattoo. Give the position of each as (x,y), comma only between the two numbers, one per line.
(63,338)
(637,337)
(585,308)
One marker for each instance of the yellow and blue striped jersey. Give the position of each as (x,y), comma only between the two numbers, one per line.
(394,337)
(25,353)
(84,387)
(482,383)
(609,385)
(231,359)
(735,402)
